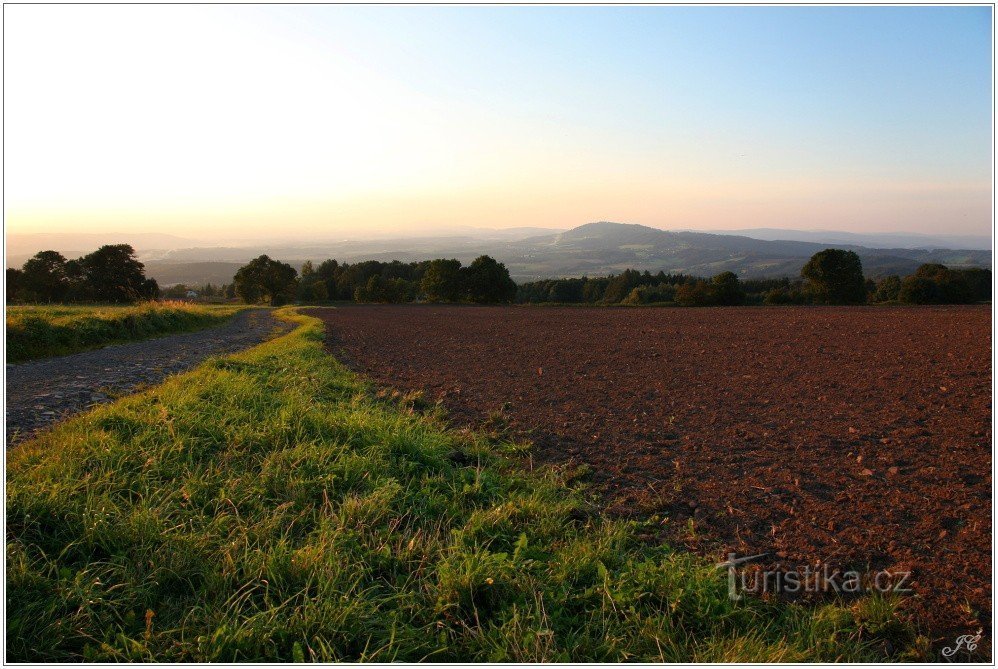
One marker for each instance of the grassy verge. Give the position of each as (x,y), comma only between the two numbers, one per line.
(43,331)
(269,506)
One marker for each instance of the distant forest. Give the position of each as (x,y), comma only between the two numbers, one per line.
(832,276)
(930,284)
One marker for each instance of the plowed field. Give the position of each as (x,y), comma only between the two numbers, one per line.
(855,437)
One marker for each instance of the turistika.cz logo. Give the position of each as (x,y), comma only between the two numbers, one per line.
(808,579)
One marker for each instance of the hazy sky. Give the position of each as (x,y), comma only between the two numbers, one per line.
(343,121)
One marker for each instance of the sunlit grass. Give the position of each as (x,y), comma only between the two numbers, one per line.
(46,330)
(269,506)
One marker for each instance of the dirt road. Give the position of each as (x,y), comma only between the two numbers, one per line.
(41,392)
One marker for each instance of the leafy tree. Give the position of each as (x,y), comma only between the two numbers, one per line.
(15,284)
(176,291)
(694,294)
(933,283)
(442,281)
(727,289)
(888,289)
(979,282)
(44,277)
(594,289)
(263,279)
(317,292)
(621,285)
(380,289)
(663,292)
(920,290)
(778,296)
(311,286)
(568,290)
(488,281)
(952,285)
(112,274)
(835,276)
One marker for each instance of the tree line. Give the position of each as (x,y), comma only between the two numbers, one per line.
(109,274)
(484,281)
(832,276)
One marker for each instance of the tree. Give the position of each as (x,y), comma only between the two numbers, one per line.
(44,278)
(979,282)
(442,281)
(953,285)
(694,294)
(112,274)
(488,281)
(317,292)
(727,289)
(888,289)
(835,276)
(566,290)
(933,283)
(620,286)
(663,292)
(919,290)
(15,284)
(263,279)
(175,292)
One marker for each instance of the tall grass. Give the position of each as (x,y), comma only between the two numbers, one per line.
(270,507)
(43,331)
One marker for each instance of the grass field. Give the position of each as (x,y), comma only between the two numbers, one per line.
(42,331)
(271,506)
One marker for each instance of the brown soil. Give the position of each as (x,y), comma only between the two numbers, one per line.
(854,437)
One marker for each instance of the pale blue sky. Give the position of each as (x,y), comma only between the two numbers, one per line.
(856,118)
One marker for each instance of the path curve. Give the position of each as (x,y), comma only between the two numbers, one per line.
(41,392)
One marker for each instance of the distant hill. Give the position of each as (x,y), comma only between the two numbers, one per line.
(605,248)
(593,249)
(902,240)
(192,273)
(21,246)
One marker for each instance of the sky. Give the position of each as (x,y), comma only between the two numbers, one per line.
(332,122)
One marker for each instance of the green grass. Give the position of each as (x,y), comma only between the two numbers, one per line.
(271,506)
(43,331)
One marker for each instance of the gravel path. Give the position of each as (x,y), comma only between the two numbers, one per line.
(42,392)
